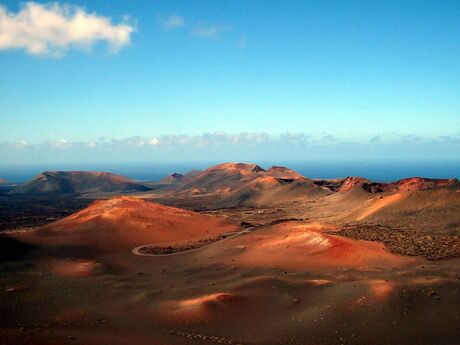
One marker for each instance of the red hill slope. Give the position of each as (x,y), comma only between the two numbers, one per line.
(122,223)
(235,184)
(222,178)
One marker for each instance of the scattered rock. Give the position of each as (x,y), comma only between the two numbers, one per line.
(407,241)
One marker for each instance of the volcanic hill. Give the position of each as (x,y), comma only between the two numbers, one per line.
(121,223)
(78,182)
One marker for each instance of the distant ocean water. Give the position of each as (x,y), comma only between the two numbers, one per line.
(375,170)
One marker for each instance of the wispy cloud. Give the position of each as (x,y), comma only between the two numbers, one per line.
(171,22)
(453,139)
(201,140)
(375,140)
(411,139)
(209,30)
(200,29)
(20,144)
(224,139)
(58,144)
(52,29)
(329,138)
(222,146)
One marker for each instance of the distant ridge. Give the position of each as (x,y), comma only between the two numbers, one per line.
(407,184)
(76,182)
(236,184)
(172,179)
(231,185)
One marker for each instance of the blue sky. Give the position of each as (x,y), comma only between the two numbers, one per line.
(230,80)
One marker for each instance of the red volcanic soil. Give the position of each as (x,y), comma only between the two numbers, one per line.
(73,267)
(420,183)
(228,176)
(269,190)
(284,173)
(410,184)
(295,245)
(224,178)
(235,184)
(203,308)
(121,223)
(286,282)
(352,182)
(377,204)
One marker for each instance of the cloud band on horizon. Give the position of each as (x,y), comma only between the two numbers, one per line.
(224,146)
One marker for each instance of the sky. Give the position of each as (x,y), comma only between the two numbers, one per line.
(133,81)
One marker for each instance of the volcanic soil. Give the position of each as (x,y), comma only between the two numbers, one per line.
(271,258)
(76,281)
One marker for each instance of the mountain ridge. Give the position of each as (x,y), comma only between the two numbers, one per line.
(77,182)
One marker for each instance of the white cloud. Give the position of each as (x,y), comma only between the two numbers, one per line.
(209,30)
(222,146)
(20,144)
(329,138)
(171,140)
(172,21)
(133,141)
(52,29)
(224,139)
(154,141)
(58,144)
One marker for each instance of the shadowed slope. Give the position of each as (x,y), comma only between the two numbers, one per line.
(431,210)
(268,190)
(172,179)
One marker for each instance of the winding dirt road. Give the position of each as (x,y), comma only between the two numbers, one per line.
(137,250)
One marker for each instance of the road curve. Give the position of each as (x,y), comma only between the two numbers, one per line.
(136,250)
